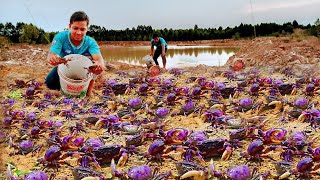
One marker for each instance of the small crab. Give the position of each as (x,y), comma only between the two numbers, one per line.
(257,150)
(143,172)
(83,173)
(91,69)
(273,136)
(64,61)
(176,136)
(25,147)
(304,168)
(54,156)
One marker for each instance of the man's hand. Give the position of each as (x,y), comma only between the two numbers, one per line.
(163,54)
(54,60)
(96,69)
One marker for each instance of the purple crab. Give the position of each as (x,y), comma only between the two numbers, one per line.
(257,150)
(120,88)
(54,156)
(176,136)
(143,172)
(91,144)
(196,93)
(254,90)
(135,103)
(171,99)
(143,89)
(273,136)
(239,173)
(104,154)
(140,172)
(181,91)
(304,169)
(162,112)
(301,103)
(36,175)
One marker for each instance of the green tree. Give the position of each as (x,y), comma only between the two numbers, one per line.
(295,24)
(30,34)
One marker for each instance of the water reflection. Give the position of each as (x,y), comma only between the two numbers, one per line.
(177,56)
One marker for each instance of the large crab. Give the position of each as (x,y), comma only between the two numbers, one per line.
(208,148)
(54,157)
(304,169)
(104,154)
(257,150)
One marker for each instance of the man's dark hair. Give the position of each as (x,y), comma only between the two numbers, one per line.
(155,35)
(79,16)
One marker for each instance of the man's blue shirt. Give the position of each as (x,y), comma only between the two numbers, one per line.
(63,46)
(160,43)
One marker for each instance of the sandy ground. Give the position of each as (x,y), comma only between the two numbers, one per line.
(286,58)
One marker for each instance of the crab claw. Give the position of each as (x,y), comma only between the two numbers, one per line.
(100,123)
(212,170)
(197,175)
(232,110)
(122,160)
(294,91)
(128,90)
(236,94)
(91,178)
(113,167)
(302,117)
(226,154)
(219,106)
(278,104)
(114,171)
(112,105)
(284,175)
(9,173)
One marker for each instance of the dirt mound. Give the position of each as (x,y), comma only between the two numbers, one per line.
(298,55)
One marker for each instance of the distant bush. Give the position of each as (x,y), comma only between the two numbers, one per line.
(276,34)
(236,36)
(4,42)
(30,34)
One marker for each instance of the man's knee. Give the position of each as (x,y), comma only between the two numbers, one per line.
(52,79)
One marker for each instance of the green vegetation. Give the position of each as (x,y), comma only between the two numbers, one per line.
(28,33)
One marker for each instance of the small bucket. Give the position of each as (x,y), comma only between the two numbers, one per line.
(148,60)
(74,78)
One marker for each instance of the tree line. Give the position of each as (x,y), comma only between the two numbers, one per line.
(29,33)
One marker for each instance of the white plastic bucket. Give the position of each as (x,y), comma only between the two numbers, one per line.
(148,60)
(74,78)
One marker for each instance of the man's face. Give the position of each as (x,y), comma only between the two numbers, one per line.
(78,29)
(156,39)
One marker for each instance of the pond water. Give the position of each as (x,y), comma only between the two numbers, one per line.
(177,56)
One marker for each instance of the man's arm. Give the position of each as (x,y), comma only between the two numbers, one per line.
(98,60)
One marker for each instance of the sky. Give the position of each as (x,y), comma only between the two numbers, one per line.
(54,15)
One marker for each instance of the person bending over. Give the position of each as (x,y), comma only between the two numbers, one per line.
(161,49)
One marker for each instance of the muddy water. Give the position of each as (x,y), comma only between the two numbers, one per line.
(177,56)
